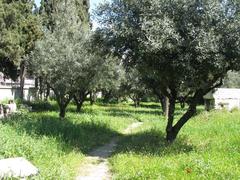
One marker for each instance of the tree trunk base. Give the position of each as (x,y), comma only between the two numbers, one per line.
(171,135)
(79,108)
(62,113)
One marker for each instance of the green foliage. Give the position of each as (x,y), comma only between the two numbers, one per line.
(133,86)
(19,29)
(49,12)
(180,44)
(61,59)
(67,60)
(232,80)
(183,48)
(192,41)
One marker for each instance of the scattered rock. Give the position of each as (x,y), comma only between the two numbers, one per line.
(16,168)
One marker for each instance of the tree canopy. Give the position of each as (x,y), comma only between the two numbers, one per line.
(19,29)
(49,10)
(186,47)
(67,60)
(232,80)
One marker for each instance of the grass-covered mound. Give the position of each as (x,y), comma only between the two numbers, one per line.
(208,148)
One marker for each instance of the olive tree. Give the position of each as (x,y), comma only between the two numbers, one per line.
(61,57)
(185,46)
(133,86)
(103,73)
(66,59)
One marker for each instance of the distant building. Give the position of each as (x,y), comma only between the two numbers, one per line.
(11,89)
(222,98)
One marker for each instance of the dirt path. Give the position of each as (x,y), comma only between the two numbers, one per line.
(96,164)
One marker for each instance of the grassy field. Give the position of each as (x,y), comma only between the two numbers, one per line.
(207,148)
(56,146)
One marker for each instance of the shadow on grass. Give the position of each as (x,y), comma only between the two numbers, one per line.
(115,110)
(128,112)
(46,106)
(40,106)
(82,136)
(86,135)
(86,109)
(152,142)
(150,106)
(151,109)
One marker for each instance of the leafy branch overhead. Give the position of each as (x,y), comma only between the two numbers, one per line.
(184,47)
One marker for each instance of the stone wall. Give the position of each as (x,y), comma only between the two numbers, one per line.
(9,92)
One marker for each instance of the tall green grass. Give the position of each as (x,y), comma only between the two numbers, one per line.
(208,148)
(57,147)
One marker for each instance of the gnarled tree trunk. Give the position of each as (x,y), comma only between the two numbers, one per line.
(170,109)
(92,98)
(172,131)
(47,93)
(164,103)
(136,99)
(62,112)
(107,95)
(40,88)
(79,99)
(63,101)
(166,107)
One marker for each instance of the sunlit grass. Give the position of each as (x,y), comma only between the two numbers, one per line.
(207,148)
(56,146)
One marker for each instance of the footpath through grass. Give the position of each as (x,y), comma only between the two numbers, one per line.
(208,146)
(56,146)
